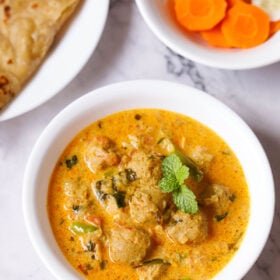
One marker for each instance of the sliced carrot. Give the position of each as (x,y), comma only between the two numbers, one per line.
(231,3)
(274,27)
(215,37)
(197,15)
(245,26)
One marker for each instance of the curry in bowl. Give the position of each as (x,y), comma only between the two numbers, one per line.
(148,194)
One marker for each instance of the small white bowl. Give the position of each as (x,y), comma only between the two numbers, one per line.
(147,94)
(157,16)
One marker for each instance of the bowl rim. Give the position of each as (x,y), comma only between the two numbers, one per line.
(121,92)
(220,61)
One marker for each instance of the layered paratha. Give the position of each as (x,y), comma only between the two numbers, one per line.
(27,30)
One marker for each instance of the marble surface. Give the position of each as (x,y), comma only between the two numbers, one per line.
(128,50)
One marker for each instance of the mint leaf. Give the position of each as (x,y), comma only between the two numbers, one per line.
(171,169)
(174,173)
(185,200)
(168,184)
(170,165)
(174,176)
(182,174)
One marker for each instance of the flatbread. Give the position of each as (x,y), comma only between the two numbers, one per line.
(27,30)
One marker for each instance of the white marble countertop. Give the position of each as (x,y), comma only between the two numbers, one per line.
(128,50)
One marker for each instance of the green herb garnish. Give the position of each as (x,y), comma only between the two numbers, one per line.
(78,227)
(102,264)
(88,266)
(174,176)
(195,171)
(90,246)
(130,175)
(152,262)
(76,208)
(221,217)
(71,161)
(120,199)
(137,117)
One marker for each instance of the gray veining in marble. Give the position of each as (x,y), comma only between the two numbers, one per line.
(128,50)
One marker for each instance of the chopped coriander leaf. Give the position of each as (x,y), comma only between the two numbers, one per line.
(152,262)
(88,266)
(120,199)
(232,197)
(75,208)
(130,175)
(90,246)
(71,162)
(102,264)
(221,217)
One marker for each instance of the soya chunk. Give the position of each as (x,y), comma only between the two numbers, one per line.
(143,209)
(145,165)
(128,245)
(100,154)
(152,271)
(185,227)
(148,202)
(218,197)
(201,156)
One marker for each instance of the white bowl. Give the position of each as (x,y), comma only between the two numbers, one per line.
(147,94)
(158,18)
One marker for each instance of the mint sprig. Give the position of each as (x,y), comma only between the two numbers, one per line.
(174,176)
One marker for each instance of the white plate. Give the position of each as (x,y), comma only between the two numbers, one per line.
(65,59)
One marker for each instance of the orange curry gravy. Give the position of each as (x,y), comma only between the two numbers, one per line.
(112,221)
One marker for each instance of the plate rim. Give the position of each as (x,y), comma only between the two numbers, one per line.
(103,8)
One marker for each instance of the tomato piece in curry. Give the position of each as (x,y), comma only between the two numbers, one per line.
(111,219)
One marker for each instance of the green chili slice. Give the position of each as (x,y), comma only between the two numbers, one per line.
(78,227)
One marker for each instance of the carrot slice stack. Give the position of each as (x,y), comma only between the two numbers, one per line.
(215,37)
(274,27)
(245,26)
(226,23)
(231,3)
(199,15)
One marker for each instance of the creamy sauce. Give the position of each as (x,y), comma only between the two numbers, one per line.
(72,198)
